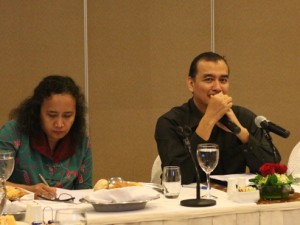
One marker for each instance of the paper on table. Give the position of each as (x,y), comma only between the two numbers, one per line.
(225,177)
(78,194)
(49,205)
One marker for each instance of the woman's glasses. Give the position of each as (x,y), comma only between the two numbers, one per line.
(63,197)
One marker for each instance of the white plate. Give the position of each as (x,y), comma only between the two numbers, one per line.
(116,207)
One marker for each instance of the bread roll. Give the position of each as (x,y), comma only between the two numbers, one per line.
(101,184)
(104,184)
(121,184)
(7,220)
(13,193)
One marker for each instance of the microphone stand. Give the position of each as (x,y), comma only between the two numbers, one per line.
(269,138)
(198,202)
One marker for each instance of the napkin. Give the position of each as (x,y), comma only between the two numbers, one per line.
(125,194)
(14,207)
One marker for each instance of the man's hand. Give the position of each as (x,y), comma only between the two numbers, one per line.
(218,105)
(244,134)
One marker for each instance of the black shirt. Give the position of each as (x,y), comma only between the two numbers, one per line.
(234,155)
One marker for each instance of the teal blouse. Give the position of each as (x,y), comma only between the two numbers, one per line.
(74,172)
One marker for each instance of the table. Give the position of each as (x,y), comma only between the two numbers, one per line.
(169,212)
(226,212)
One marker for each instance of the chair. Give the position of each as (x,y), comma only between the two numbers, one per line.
(156,171)
(294,160)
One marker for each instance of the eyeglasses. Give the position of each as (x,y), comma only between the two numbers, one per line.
(63,197)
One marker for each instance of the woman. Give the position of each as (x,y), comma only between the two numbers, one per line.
(48,135)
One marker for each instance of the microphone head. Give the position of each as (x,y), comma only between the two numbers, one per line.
(184,131)
(259,119)
(187,131)
(179,130)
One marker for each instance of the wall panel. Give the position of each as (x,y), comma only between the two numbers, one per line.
(261,41)
(139,54)
(38,38)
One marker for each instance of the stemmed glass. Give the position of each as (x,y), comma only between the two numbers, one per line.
(70,217)
(7,163)
(208,158)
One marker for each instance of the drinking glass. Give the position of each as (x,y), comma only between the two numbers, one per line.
(171,181)
(208,158)
(2,195)
(70,217)
(7,163)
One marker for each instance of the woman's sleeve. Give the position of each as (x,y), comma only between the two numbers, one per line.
(85,173)
(10,138)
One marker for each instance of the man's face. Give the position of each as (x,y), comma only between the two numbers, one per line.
(211,78)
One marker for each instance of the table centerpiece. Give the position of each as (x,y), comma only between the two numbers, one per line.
(273,182)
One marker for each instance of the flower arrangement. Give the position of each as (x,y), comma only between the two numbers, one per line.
(273,182)
(273,174)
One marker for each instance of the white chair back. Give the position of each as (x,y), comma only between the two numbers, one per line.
(156,171)
(294,160)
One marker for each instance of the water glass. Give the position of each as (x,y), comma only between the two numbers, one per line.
(208,158)
(7,163)
(2,195)
(171,181)
(70,217)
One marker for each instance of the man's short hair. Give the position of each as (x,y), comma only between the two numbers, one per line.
(205,56)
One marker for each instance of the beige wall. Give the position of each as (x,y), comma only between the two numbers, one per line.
(139,52)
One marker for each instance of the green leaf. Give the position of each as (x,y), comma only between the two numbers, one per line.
(272,180)
(256,180)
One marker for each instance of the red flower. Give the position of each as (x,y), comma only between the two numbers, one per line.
(271,168)
(280,168)
(267,169)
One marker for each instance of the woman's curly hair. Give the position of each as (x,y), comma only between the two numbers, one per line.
(27,114)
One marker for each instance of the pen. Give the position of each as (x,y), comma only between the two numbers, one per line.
(45,182)
(43,179)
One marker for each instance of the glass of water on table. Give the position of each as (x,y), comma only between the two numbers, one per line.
(171,181)
(208,158)
(7,163)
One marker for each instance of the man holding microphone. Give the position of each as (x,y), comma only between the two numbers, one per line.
(210,114)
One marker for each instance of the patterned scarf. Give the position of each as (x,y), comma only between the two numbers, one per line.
(64,149)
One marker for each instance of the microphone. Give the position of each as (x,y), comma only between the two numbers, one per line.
(184,133)
(230,125)
(265,124)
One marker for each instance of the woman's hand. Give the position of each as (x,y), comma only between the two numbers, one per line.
(43,191)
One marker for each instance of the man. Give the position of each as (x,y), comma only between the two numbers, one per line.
(208,81)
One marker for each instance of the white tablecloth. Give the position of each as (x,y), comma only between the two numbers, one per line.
(169,212)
